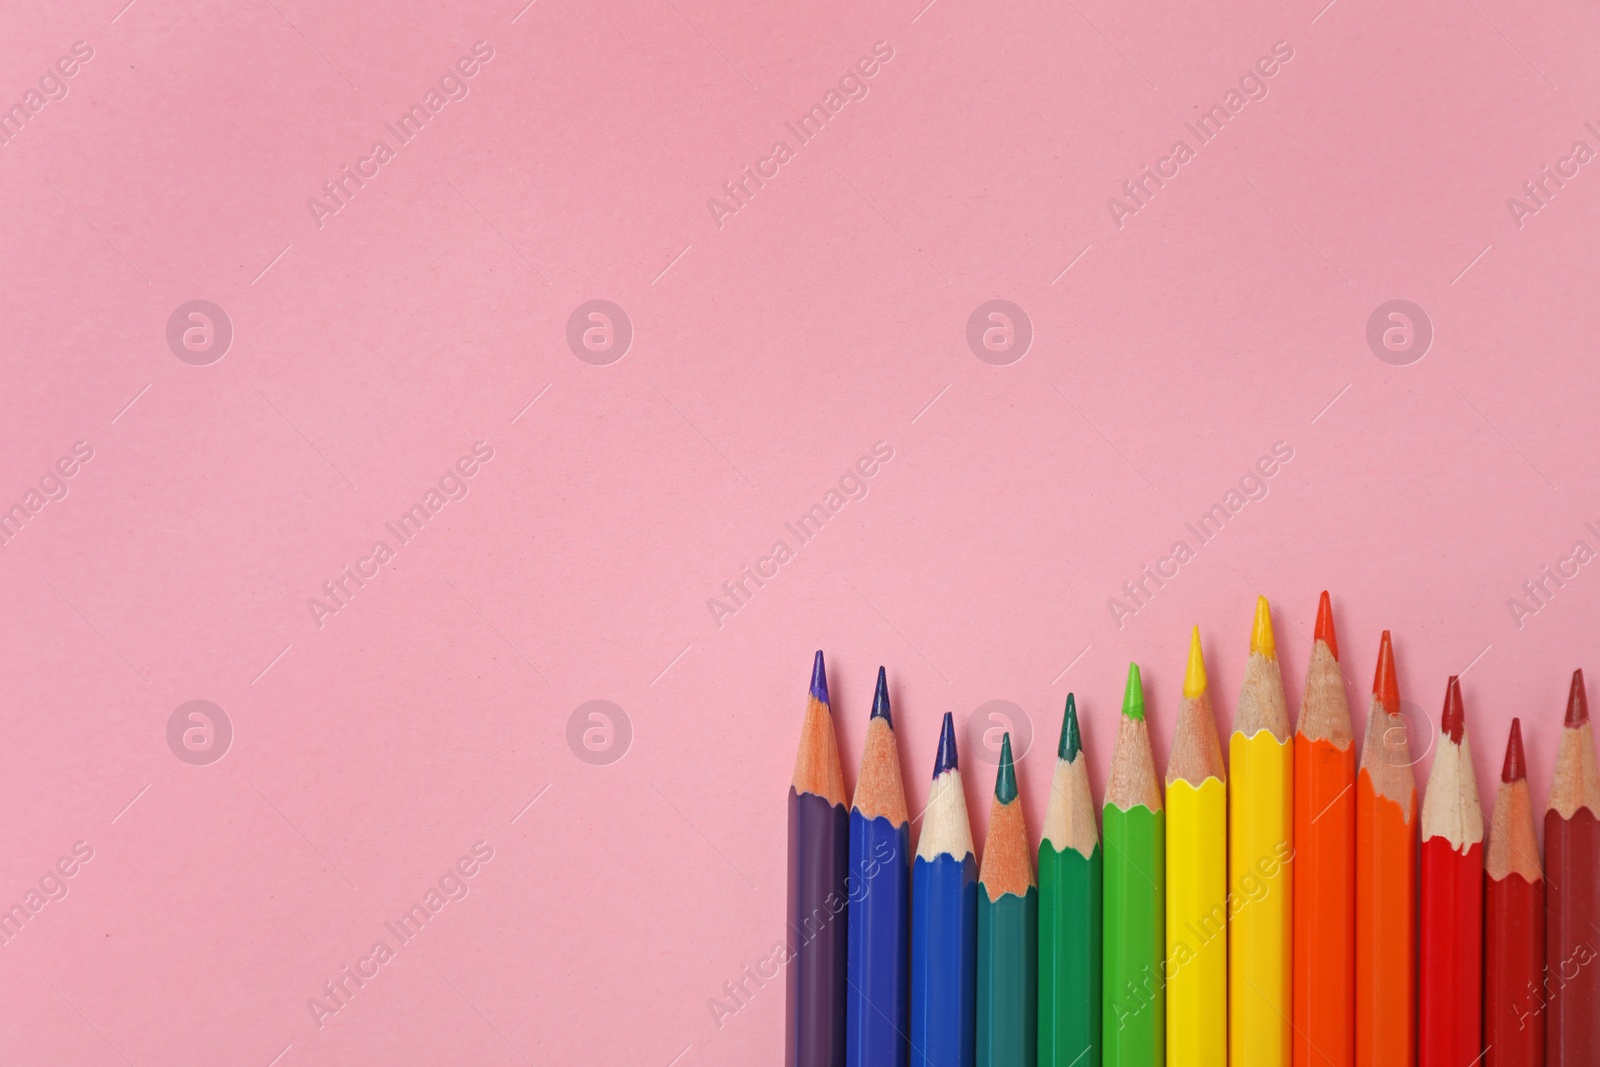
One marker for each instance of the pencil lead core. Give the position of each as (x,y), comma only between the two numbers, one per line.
(1324,632)
(1577,701)
(1384,684)
(946,759)
(1516,765)
(819,679)
(1194,678)
(1261,633)
(1071,743)
(1454,719)
(1133,695)
(880,700)
(1005,779)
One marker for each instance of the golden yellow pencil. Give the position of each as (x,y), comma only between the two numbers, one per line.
(1197,880)
(1260,869)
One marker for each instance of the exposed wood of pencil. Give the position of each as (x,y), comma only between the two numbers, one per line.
(880,793)
(1070,818)
(1133,769)
(816,765)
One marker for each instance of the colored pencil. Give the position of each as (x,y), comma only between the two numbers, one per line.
(1325,860)
(1007,1023)
(1197,879)
(944,921)
(1070,863)
(1386,880)
(819,845)
(1513,927)
(1450,917)
(1260,859)
(1133,1012)
(880,900)
(1572,893)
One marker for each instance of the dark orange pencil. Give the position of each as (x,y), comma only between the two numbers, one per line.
(1450,917)
(1386,880)
(1513,922)
(1324,983)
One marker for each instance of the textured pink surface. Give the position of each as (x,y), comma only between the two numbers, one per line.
(773,346)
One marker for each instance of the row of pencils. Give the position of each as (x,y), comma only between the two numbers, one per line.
(1282,908)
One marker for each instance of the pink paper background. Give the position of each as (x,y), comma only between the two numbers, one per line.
(769,354)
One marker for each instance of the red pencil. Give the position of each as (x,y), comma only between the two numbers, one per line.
(1572,887)
(1450,921)
(1513,927)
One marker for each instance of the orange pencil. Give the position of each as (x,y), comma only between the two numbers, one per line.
(1325,861)
(1386,881)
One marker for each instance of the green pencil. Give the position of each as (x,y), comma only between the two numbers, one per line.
(1134,1004)
(1008,931)
(1069,911)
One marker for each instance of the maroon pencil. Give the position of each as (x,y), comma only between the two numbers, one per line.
(1572,893)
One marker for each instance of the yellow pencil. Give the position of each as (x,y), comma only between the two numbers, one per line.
(1260,872)
(1197,880)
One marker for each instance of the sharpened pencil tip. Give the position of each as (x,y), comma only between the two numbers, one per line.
(1324,632)
(1005,778)
(1454,719)
(880,700)
(819,679)
(1194,678)
(1261,639)
(1071,743)
(1133,695)
(946,759)
(1516,766)
(1577,701)
(1384,684)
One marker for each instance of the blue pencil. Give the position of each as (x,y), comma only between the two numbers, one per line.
(880,900)
(944,922)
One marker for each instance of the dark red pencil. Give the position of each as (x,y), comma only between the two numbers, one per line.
(1572,892)
(1513,922)
(1450,920)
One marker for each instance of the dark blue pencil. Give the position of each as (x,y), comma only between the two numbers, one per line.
(880,900)
(944,922)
